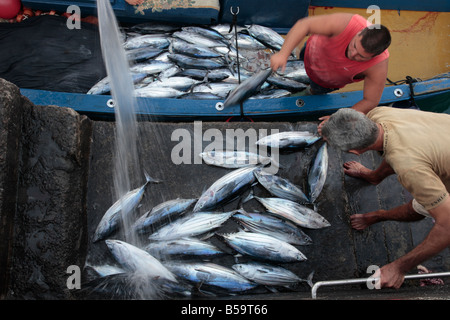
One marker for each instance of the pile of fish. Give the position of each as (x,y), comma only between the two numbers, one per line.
(201,62)
(169,248)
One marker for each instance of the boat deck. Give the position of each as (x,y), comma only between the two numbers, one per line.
(337,252)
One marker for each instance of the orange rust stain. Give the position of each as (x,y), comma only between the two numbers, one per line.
(423,24)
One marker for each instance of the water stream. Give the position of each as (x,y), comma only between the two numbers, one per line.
(128,173)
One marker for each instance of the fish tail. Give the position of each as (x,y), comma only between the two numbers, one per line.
(149,179)
(309,279)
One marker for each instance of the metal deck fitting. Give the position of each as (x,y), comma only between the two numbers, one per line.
(319,284)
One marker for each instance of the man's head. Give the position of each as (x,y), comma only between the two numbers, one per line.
(369,43)
(348,129)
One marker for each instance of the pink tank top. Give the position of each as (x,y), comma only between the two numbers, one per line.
(326,63)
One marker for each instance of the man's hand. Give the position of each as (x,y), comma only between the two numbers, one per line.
(278,61)
(391,276)
(323,119)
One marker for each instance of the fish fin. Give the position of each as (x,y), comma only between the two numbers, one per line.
(207,236)
(150,179)
(271,289)
(249,197)
(244,212)
(205,79)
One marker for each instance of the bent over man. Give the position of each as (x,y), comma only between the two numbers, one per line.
(341,49)
(415,146)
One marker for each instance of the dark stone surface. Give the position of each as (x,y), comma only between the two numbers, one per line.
(49,216)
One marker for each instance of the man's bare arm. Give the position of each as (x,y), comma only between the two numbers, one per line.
(374,82)
(328,25)
(392,275)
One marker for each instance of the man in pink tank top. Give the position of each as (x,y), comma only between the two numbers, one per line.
(341,49)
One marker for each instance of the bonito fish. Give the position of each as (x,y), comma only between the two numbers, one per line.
(120,210)
(247,88)
(234,159)
(138,261)
(273,226)
(211,274)
(182,247)
(226,188)
(263,246)
(148,40)
(280,187)
(318,172)
(289,139)
(269,275)
(165,210)
(266,35)
(295,212)
(192,225)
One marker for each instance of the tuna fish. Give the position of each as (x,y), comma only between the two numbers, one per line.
(234,159)
(138,261)
(266,35)
(178,83)
(185,61)
(198,39)
(294,212)
(142,54)
(246,42)
(204,74)
(271,94)
(148,40)
(192,225)
(289,139)
(226,188)
(318,172)
(186,247)
(151,67)
(204,31)
(219,89)
(295,70)
(247,88)
(280,187)
(269,275)
(157,92)
(165,210)
(286,83)
(120,210)
(262,246)
(211,274)
(190,49)
(273,226)
(227,30)
(103,86)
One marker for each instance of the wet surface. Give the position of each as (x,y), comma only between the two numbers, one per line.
(337,252)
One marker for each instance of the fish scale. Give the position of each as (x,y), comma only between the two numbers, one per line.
(226,188)
(192,225)
(294,212)
(262,246)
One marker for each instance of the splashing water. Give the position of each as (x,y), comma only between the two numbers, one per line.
(122,89)
(126,157)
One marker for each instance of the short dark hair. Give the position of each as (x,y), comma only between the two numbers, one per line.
(375,39)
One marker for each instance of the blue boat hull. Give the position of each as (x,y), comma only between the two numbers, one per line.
(289,108)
